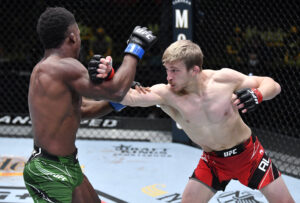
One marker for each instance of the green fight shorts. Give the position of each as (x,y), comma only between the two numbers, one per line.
(50,178)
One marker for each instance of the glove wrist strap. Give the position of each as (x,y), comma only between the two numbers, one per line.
(135,49)
(117,106)
(110,74)
(258,95)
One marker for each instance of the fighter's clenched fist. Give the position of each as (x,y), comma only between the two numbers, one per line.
(248,99)
(139,41)
(94,69)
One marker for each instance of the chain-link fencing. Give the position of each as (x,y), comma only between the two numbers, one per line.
(105,27)
(259,38)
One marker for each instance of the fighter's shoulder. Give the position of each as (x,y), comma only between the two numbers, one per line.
(59,65)
(71,68)
(226,74)
(71,63)
(224,71)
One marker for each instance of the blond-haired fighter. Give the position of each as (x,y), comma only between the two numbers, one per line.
(206,104)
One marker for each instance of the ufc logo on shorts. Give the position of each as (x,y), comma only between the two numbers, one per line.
(264,164)
(230,153)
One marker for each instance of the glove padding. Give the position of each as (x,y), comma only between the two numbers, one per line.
(92,69)
(139,41)
(250,98)
(135,83)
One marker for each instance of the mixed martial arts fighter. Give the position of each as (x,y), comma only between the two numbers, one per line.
(207,105)
(57,84)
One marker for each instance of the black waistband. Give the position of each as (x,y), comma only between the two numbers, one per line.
(234,150)
(39,152)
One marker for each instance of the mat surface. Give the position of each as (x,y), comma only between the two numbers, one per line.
(134,172)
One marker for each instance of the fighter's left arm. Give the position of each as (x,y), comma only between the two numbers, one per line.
(267,86)
(151,98)
(94,109)
(249,91)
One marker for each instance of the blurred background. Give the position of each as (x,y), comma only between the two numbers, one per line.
(254,37)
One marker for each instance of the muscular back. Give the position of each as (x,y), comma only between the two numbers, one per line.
(54,107)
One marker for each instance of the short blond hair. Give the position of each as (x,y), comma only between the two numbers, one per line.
(186,51)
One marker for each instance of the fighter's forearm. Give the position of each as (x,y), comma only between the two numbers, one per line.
(132,98)
(124,77)
(121,82)
(93,109)
(269,88)
(135,99)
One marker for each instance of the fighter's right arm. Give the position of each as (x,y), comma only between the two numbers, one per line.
(76,77)
(154,97)
(115,89)
(139,41)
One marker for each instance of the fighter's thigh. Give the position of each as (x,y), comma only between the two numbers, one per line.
(85,193)
(45,188)
(196,191)
(46,192)
(277,191)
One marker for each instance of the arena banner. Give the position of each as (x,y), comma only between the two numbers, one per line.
(163,124)
(182,20)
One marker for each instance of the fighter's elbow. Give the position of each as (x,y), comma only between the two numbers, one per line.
(277,88)
(118,95)
(84,112)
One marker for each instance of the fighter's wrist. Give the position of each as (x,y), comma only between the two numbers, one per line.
(116,106)
(111,74)
(258,94)
(135,50)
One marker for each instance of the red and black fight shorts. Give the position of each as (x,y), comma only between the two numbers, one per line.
(246,162)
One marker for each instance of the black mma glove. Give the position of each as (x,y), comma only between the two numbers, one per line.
(117,106)
(139,41)
(250,98)
(92,69)
(135,83)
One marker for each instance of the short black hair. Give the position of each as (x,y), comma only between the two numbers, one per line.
(52,26)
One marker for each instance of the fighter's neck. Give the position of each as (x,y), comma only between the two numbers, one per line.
(197,85)
(59,52)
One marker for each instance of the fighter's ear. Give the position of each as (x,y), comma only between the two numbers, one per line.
(196,69)
(72,37)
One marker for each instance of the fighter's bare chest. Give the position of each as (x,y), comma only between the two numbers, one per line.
(206,109)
